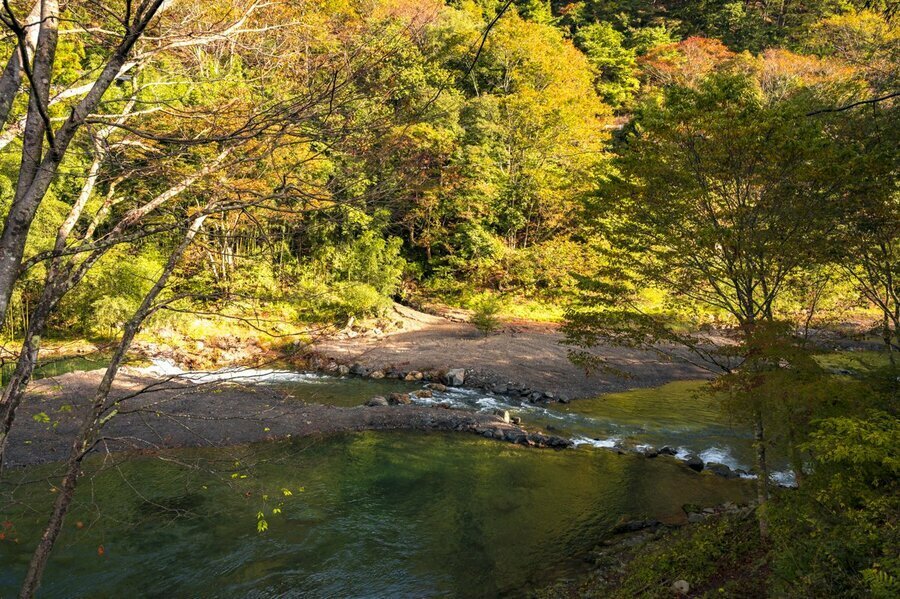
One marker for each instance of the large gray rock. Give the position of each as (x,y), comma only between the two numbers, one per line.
(359,370)
(377,401)
(455,377)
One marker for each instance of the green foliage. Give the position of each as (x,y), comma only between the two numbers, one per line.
(604,46)
(111,292)
(485,314)
(837,535)
(726,548)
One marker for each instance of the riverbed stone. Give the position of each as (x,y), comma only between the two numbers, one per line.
(695,518)
(377,401)
(398,399)
(424,393)
(694,463)
(455,377)
(415,375)
(377,374)
(649,452)
(359,370)
(440,388)
(721,470)
(635,525)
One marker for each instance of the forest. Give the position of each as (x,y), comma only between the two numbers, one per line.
(545,203)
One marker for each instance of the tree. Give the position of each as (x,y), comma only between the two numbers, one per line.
(615,63)
(724,189)
(43,148)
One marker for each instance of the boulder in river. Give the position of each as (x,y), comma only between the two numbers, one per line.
(649,452)
(415,375)
(455,377)
(694,463)
(377,401)
(377,374)
(503,414)
(666,450)
(437,387)
(721,470)
(359,370)
(424,393)
(398,399)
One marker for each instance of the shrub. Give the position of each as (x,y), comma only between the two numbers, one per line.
(485,315)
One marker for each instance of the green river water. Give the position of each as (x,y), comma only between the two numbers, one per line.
(393,514)
(368,515)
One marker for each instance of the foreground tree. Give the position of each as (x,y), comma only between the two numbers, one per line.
(724,190)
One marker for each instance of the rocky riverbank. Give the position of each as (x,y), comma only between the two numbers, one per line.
(158,413)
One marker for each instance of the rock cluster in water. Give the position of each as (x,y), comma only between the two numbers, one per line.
(441,380)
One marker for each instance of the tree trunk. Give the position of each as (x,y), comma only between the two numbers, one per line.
(39,176)
(762,482)
(95,420)
(11,80)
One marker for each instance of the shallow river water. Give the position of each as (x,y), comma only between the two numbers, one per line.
(367,515)
(393,514)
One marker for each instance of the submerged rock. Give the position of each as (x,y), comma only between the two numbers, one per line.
(437,387)
(377,401)
(635,525)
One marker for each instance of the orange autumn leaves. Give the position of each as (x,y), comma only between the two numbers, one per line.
(777,71)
